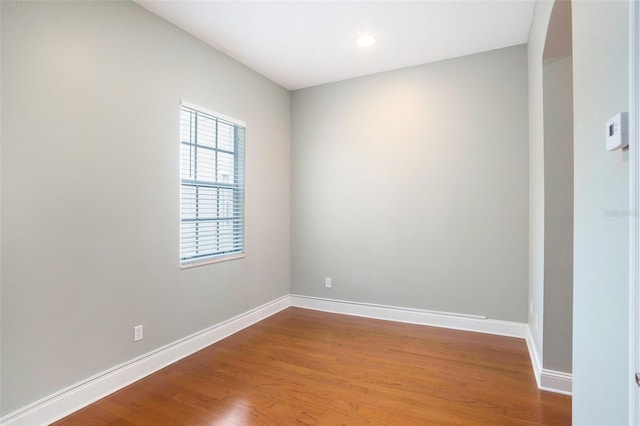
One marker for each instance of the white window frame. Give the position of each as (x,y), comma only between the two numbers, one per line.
(210,245)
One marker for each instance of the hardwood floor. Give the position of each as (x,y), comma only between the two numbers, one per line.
(307,367)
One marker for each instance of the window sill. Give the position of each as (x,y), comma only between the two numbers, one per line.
(210,261)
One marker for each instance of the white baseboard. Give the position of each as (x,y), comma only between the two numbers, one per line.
(536,364)
(474,323)
(548,380)
(75,397)
(556,381)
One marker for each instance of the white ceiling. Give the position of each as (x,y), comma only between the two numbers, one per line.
(299,44)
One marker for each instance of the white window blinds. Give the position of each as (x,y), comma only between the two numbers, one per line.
(212,186)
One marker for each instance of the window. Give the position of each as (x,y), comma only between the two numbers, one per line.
(211,186)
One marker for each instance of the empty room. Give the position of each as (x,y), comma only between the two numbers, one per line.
(319,212)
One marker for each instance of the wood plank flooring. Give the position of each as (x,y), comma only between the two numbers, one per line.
(303,367)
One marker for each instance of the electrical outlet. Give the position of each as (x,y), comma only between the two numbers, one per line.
(137,333)
(327,282)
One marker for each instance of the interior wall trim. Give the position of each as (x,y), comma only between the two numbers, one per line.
(634,210)
(547,380)
(556,381)
(476,323)
(68,400)
(536,363)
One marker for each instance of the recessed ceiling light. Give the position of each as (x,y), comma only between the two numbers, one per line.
(365,41)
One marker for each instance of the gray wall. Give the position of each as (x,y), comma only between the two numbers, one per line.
(558,190)
(558,213)
(551,185)
(601,232)
(410,187)
(536,46)
(90,189)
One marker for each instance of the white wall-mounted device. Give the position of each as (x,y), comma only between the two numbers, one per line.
(618,131)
